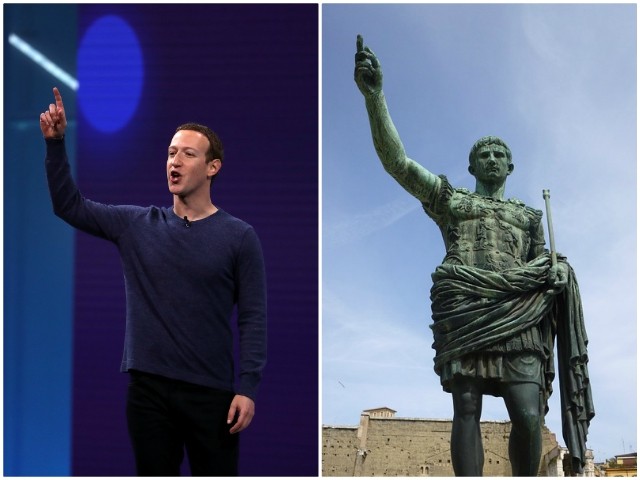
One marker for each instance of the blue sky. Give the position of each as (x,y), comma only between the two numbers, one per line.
(558,84)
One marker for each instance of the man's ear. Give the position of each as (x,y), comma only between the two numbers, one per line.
(472,170)
(214,167)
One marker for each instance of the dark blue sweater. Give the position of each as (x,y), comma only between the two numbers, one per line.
(181,284)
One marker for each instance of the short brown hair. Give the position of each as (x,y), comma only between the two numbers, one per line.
(215,144)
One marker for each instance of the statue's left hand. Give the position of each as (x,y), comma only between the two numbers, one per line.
(558,277)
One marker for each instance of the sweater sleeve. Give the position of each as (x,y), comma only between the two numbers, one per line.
(252,314)
(105,221)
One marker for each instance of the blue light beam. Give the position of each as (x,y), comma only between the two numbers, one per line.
(43,61)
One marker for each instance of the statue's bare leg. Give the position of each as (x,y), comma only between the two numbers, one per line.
(525,442)
(467,454)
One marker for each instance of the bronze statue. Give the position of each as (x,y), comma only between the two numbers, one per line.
(498,300)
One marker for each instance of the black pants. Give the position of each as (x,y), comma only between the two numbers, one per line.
(166,416)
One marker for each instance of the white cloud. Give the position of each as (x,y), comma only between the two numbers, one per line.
(355,227)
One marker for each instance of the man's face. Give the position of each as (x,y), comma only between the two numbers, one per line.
(491,165)
(187,168)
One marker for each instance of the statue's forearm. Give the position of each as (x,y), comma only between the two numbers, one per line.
(386,140)
(414,178)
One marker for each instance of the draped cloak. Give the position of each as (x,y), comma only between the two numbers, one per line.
(473,309)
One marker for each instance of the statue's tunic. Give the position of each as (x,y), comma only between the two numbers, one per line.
(493,236)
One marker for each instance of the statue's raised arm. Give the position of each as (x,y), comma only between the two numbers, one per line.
(414,178)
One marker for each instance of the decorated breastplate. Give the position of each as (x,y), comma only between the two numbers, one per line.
(487,233)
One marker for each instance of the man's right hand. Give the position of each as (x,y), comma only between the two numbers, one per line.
(53,122)
(368,74)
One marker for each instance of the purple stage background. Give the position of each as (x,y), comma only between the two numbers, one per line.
(250,72)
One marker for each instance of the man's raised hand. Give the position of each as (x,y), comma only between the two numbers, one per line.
(367,74)
(53,122)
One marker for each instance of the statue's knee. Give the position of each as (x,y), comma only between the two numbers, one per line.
(528,421)
(467,405)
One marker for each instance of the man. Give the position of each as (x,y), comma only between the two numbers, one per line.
(495,297)
(185,268)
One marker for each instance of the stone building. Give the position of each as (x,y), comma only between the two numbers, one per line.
(385,445)
(625,465)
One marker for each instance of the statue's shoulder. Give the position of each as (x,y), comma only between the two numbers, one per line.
(462,191)
(534,214)
(437,206)
(449,190)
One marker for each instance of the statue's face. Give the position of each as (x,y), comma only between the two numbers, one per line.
(491,165)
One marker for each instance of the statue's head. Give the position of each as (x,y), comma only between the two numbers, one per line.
(483,142)
(490,147)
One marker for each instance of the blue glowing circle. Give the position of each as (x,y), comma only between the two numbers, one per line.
(110,73)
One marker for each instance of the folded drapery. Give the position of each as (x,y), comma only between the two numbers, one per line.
(474,309)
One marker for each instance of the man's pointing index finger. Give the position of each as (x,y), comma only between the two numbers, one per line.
(359,43)
(58,97)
